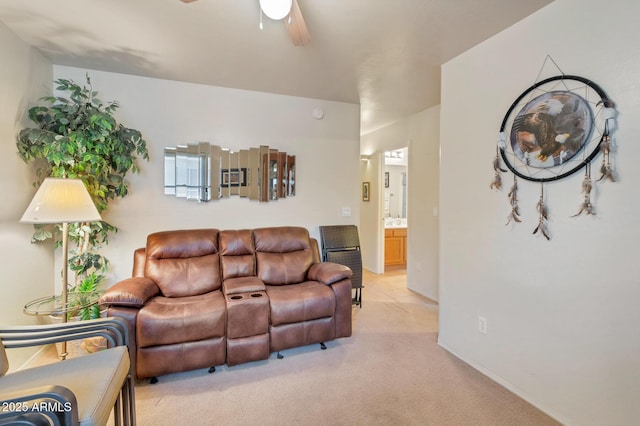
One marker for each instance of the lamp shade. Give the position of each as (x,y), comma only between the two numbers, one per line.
(61,200)
(276,9)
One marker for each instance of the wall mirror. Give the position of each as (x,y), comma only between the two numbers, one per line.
(205,172)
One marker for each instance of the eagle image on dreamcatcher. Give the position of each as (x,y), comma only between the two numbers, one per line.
(554,129)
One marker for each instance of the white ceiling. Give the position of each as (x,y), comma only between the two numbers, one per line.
(383,54)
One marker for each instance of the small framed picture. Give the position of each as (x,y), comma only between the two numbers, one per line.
(386,179)
(365,191)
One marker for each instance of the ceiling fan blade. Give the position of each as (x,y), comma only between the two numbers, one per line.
(296,26)
(187,1)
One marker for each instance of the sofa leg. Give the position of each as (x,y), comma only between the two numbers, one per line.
(323,346)
(153,380)
(279,356)
(212,370)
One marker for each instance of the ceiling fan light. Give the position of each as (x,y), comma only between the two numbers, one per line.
(276,9)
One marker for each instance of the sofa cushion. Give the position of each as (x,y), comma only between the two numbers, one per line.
(283,254)
(184,263)
(167,320)
(301,302)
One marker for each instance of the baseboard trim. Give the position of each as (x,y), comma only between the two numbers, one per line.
(502,382)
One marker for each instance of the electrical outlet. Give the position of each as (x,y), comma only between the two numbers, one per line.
(482,325)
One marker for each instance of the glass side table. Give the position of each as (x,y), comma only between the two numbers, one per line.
(53,306)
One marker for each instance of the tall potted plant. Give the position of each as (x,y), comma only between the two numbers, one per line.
(77,136)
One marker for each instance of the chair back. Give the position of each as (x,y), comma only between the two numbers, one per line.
(341,244)
(338,238)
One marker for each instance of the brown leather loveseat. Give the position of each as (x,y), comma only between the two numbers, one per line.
(205,297)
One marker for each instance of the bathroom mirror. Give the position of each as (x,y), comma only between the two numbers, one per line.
(395,184)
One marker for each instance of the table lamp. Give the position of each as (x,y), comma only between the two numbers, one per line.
(64,201)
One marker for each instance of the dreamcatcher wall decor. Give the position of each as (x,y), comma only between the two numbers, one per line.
(554,129)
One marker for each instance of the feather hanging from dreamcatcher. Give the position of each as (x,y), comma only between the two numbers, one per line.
(513,200)
(605,148)
(497,169)
(543,215)
(586,206)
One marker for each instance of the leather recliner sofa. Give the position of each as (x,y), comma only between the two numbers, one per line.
(205,297)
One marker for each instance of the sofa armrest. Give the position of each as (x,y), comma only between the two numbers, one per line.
(133,292)
(328,272)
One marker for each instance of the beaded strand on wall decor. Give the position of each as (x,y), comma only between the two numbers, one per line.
(205,172)
(554,129)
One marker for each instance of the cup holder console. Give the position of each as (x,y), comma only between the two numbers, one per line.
(247,327)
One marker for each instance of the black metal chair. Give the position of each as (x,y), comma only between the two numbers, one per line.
(341,244)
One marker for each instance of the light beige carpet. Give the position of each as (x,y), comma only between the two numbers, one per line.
(390,372)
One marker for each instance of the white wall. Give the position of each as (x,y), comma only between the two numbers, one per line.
(422,202)
(371,214)
(562,314)
(27,269)
(170,113)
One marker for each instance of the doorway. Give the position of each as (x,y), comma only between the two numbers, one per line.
(395,208)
